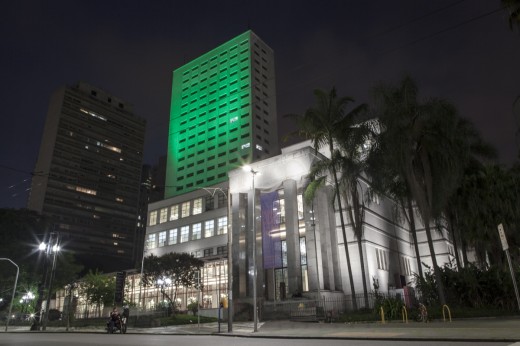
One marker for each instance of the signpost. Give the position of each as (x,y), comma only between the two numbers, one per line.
(505,247)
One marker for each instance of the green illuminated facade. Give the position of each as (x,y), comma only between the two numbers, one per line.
(223,114)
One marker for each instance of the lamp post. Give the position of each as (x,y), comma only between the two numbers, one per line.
(255,307)
(53,247)
(14,290)
(141,302)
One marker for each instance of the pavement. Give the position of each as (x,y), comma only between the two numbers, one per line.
(478,330)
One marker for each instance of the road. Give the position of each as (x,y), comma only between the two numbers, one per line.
(86,339)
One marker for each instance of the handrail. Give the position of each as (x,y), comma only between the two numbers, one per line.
(382,313)
(449,312)
(404,314)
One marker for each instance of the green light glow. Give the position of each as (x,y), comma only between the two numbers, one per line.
(210,117)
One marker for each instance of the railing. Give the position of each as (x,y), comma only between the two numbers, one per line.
(328,309)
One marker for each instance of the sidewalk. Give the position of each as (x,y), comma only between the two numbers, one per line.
(489,329)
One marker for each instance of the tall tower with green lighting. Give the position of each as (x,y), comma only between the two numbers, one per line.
(223,114)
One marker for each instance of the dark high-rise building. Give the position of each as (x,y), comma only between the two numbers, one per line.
(88,179)
(223,114)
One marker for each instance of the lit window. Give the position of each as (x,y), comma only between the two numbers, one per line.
(153,218)
(232,120)
(300,207)
(174,212)
(259,147)
(150,241)
(185,210)
(222,225)
(172,237)
(119,199)
(162,239)
(382,262)
(185,233)
(245,146)
(196,231)
(95,115)
(85,190)
(164,215)
(209,228)
(197,206)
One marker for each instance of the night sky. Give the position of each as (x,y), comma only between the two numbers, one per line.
(462,51)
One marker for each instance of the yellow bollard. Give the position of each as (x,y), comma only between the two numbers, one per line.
(404,313)
(382,313)
(449,312)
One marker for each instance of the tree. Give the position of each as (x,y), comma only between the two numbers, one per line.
(97,288)
(323,124)
(172,270)
(387,179)
(513,10)
(429,151)
(488,196)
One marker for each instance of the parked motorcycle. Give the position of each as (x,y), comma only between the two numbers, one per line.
(116,324)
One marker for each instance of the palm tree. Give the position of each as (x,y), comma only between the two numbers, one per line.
(321,125)
(478,152)
(513,10)
(351,157)
(424,136)
(386,179)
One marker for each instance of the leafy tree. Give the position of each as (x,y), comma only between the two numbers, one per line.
(97,288)
(172,270)
(323,124)
(487,196)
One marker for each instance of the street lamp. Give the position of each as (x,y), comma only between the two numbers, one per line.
(250,169)
(14,290)
(52,247)
(25,299)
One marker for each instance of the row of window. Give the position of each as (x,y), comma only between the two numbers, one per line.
(382,262)
(187,233)
(187,208)
(223,56)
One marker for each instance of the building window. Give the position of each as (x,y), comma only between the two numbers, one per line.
(172,237)
(222,225)
(150,241)
(382,262)
(221,200)
(163,216)
(174,212)
(185,210)
(284,253)
(279,208)
(300,207)
(208,252)
(222,250)
(209,228)
(162,239)
(406,268)
(210,201)
(185,234)
(197,206)
(153,218)
(196,230)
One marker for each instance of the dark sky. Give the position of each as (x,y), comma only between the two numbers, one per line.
(462,51)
